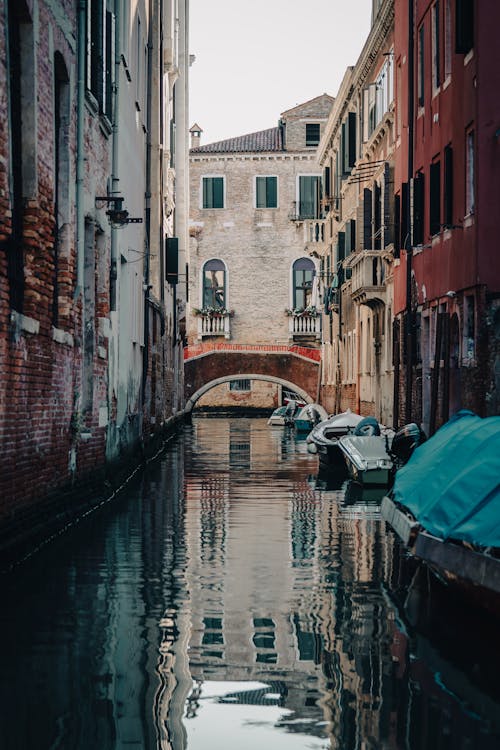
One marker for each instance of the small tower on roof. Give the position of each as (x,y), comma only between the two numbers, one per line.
(196,132)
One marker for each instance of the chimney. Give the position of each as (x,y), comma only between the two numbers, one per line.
(196,132)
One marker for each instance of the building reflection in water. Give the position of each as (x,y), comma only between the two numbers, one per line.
(288,585)
(234,598)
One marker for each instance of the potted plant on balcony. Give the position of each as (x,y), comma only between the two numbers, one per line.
(303,312)
(213,312)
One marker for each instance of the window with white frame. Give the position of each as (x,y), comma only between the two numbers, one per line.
(312,133)
(266,191)
(309,188)
(378,97)
(469,172)
(303,274)
(212,191)
(214,285)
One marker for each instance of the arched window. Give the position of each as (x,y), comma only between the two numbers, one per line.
(303,275)
(214,284)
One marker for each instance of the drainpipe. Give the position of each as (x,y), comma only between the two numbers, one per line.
(409,238)
(80,114)
(147,211)
(113,275)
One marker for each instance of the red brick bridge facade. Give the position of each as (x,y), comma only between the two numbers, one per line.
(208,364)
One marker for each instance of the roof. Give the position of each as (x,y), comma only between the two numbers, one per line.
(324,98)
(264,140)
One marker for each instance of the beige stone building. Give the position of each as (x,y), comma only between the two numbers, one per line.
(356,157)
(255,205)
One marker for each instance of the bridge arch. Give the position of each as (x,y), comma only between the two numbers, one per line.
(246,376)
(298,371)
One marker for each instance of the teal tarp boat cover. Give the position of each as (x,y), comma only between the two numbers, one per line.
(451,484)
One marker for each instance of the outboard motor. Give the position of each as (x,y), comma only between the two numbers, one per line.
(367,426)
(406,439)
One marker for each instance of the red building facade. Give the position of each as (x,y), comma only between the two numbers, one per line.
(447,275)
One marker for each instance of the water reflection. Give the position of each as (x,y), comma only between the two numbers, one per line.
(234,597)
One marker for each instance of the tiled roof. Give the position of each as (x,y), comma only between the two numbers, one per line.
(264,140)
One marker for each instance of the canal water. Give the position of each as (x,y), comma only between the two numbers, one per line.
(233,598)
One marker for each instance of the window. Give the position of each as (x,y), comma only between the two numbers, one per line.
(213,192)
(469,327)
(436,72)
(266,192)
(240,385)
(377,98)
(447,38)
(309,196)
(464,29)
(448,186)
(214,284)
(303,275)
(435,198)
(418,208)
(312,133)
(61,168)
(22,98)
(100,53)
(469,173)
(421,68)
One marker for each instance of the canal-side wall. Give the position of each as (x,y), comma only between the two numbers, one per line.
(50,514)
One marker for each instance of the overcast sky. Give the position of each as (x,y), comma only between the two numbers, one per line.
(258,58)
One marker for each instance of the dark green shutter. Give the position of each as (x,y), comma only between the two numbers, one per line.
(464,26)
(388,223)
(377,240)
(367,219)
(218,192)
(341,238)
(435,198)
(326,181)
(272,192)
(351,127)
(397,225)
(418,209)
(405,197)
(172,260)
(448,186)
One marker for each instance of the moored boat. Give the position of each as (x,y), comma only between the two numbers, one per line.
(445,505)
(323,438)
(309,416)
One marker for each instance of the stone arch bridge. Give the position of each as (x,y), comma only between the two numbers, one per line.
(207,365)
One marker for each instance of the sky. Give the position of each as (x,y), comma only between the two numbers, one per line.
(258,58)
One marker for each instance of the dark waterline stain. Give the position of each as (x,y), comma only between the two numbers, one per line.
(234,598)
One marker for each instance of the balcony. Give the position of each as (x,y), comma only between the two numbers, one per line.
(214,324)
(368,278)
(304,326)
(314,234)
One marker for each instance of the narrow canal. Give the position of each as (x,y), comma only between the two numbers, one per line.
(232,599)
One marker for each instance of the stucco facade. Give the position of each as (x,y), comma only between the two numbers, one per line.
(357,160)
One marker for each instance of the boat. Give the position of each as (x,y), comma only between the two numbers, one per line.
(284,414)
(374,452)
(309,416)
(323,438)
(278,417)
(445,505)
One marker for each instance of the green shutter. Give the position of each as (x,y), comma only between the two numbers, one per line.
(218,192)
(272,192)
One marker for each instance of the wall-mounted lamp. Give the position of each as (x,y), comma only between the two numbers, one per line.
(117,215)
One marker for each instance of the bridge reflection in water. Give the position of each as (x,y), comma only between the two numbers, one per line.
(233,599)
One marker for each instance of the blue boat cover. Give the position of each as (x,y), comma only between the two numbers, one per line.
(451,483)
